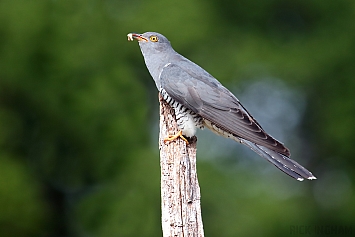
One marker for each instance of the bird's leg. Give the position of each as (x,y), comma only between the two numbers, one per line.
(176,136)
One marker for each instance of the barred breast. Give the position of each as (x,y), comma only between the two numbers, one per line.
(187,120)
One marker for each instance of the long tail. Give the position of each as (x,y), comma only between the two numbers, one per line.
(285,164)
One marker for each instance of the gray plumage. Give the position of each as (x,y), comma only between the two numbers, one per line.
(199,100)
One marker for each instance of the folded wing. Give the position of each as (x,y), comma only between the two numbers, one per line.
(208,98)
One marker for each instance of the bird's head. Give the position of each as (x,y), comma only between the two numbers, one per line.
(151,42)
(156,50)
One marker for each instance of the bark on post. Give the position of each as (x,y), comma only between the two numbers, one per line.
(180,191)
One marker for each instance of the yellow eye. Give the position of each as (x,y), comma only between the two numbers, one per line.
(153,38)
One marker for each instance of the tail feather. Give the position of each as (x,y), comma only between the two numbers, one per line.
(282,162)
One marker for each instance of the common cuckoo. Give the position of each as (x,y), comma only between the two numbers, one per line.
(199,100)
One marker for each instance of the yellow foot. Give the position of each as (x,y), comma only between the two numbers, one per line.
(176,136)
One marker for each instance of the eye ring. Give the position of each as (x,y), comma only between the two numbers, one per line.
(153,38)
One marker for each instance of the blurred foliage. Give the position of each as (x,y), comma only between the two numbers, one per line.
(76,108)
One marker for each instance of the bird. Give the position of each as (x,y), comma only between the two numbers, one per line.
(199,100)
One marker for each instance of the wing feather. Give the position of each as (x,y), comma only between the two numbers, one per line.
(205,96)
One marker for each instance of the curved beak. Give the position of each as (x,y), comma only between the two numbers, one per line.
(138,37)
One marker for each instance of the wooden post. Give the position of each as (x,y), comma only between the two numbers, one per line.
(180,191)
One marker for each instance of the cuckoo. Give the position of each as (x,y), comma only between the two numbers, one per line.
(199,100)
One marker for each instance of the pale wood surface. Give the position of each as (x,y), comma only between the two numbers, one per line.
(180,191)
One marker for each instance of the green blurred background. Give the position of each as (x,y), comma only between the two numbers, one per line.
(79,114)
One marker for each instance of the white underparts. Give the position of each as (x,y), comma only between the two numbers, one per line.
(186,124)
(187,120)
